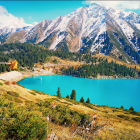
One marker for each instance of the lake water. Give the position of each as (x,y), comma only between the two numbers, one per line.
(111,92)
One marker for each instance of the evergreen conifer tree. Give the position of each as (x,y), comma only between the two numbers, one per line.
(67,97)
(73,95)
(122,107)
(88,101)
(82,100)
(131,108)
(58,93)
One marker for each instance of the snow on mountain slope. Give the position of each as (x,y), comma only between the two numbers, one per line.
(87,19)
(87,29)
(10,24)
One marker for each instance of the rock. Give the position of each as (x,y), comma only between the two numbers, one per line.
(52,137)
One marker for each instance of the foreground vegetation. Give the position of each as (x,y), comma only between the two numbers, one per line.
(23,116)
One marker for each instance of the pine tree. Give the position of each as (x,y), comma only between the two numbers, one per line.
(58,93)
(82,100)
(122,107)
(131,108)
(88,101)
(67,97)
(3,68)
(73,95)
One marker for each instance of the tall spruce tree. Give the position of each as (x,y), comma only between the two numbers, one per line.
(73,95)
(88,101)
(82,100)
(58,93)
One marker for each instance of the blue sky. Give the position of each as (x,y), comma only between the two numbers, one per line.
(36,11)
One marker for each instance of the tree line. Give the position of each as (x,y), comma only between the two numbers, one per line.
(103,68)
(4,68)
(27,54)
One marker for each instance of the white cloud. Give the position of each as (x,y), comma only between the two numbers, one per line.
(3,10)
(35,23)
(29,17)
(117,4)
(9,20)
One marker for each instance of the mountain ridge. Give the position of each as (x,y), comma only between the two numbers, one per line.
(92,28)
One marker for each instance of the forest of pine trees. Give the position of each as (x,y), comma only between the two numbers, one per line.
(4,68)
(103,68)
(27,54)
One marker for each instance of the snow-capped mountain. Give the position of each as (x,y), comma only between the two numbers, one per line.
(10,24)
(88,29)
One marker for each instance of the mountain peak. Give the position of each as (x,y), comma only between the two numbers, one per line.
(92,28)
(93,5)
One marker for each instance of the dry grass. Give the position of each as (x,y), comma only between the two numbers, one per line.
(117,61)
(115,128)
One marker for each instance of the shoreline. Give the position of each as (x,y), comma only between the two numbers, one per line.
(32,74)
(22,76)
(25,76)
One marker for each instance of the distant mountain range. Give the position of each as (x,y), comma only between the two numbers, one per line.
(92,28)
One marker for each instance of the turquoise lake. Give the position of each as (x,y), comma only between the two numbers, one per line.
(110,92)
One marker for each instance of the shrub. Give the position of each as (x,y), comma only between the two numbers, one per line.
(63,114)
(55,61)
(9,97)
(14,82)
(123,116)
(1,83)
(28,102)
(10,93)
(67,97)
(16,94)
(41,93)
(33,93)
(13,93)
(116,110)
(89,105)
(18,100)
(105,111)
(7,83)
(72,101)
(137,119)
(56,99)
(21,69)
(24,126)
(135,113)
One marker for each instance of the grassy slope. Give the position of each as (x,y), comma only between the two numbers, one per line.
(61,62)
(115,128)
(117,61)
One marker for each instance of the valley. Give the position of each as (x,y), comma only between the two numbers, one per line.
(74,77)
